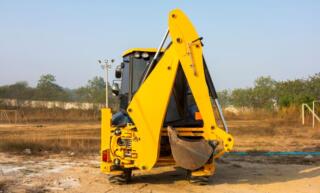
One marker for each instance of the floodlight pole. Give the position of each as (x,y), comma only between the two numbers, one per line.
(106,65)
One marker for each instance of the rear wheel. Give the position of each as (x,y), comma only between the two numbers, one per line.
(123,178)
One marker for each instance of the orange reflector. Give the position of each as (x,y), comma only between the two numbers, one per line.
(197,116)
(106,156)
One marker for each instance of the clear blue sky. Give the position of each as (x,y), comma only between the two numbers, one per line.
(243,39)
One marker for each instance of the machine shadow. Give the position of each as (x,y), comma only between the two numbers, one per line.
(263,173)
(165,177)
(234,173)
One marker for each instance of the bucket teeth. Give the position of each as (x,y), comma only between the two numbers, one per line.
(187,153)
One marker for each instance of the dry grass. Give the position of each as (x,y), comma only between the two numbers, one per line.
(36,115)
(285,116)
(37,189)
(72,137)
(5,184)
(249,114)
(316,135)
(52,145)
(256,129)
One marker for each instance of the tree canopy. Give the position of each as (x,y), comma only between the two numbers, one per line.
(48,89)
(268,93)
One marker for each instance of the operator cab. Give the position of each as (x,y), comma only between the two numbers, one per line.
(130,72)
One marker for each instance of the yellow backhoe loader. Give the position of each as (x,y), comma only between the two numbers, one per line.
(167,102)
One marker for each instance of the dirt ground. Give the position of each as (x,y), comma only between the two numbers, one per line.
(71,169)
(58,173)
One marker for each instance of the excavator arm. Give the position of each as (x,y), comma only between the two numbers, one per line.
(149,104)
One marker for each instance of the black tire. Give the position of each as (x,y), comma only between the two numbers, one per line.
(123,178)
(197,180)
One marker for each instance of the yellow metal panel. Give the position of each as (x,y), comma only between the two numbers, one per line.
(105,136)
(148,108)
(207,170)
(129,51)
(105,128)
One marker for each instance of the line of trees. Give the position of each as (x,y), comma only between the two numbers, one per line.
(268,93)
(48,89)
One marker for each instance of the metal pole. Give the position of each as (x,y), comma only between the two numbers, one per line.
(313,114)
(214,95)
(302,113)
(106,66)
(107,93)
(155,56)
(161,45)
(221,115)
(15,116)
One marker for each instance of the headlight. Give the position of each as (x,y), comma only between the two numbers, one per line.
(145,55)
(136,55)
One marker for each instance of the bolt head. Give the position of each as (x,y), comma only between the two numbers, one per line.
(117,131)
(116,162)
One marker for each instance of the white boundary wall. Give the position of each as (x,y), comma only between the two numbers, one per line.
(49,104)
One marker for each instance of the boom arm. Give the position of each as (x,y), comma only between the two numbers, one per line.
(148,106)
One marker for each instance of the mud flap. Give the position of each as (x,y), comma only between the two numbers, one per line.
(189,154)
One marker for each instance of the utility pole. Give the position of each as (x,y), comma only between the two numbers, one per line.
(106,65)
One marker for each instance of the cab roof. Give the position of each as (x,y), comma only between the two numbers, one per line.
(129,51)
